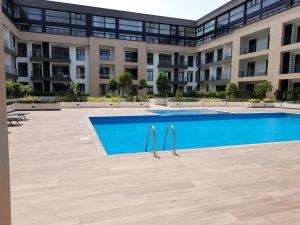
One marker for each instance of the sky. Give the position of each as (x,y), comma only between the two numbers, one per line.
(193,9)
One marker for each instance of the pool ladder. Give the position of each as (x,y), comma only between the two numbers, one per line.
(152,128)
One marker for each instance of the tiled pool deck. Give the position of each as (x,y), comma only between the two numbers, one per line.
(60,176)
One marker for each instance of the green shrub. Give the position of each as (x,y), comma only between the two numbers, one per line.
(10,102)
(178,96)
(262,88)
(231,91)
(16,90)
(210,94)
(254,100)
(267,100)
(103,99)
(210,100)
(35,100)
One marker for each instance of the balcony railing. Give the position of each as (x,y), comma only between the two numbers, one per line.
(291,69)
(170,64)
(216,78)
(106,76)
(224,59)
(179,80)
(10,72)
(9,48)
(258,48)
(106,58)
(252,74)
(287,40)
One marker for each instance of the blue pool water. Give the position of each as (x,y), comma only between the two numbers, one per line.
(185,112)
(123,135)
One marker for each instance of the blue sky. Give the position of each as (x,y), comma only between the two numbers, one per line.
(185,9)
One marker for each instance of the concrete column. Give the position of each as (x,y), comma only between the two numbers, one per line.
(235,58)
(5,214)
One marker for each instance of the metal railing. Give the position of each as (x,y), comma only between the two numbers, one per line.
(257,48)
(255,74)
(152,128)
(224,58)
(174,138)
(217,77)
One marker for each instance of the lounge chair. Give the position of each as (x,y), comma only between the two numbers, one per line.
(12,119)
(21,115)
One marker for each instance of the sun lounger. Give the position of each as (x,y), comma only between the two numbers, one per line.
(21,115)
(13,119)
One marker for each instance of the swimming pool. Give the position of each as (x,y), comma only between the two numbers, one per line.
(185,112)
(124,135)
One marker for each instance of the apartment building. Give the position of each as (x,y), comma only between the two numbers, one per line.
(244,41)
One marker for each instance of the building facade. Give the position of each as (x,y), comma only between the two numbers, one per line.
(244,41)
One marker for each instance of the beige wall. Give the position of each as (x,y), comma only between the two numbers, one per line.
(5,214)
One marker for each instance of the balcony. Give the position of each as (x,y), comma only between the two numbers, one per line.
(11,73)
(218,78)
(288,69)
(60,77)
(181,65)
(223,60)
(60,58)
(36,76)
(243,74)
(10,49)
(170,65)
(179,80)
(258,48)
(36,56)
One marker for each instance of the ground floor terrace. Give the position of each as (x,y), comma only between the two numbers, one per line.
(60,176)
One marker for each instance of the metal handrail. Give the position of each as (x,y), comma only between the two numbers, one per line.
(174,138)
(152,128)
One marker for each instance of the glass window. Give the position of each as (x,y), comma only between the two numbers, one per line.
(80,72)
(150,60)
(57,30)
(237,13)
(27,13)
(133,72)
(269,2)
(253,6)
(22,50)
(189,32)
(131,56)
(60,71)
(209,26)
(149,89)
(149,76)
(80,54)
(173,30)
(200,31)
(60,52)
(104,34)
(130,37)
(23,69)
(152,40)
(151,27)
(190,76)
(57,16)
(31,28)
(104,54)
(164,29)
(191,61)
(78,32)
(104,72)
(78,19)
(223,20)
(105,22)
(131,25)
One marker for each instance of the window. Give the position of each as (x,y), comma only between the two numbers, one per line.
(253,6)
(209,26)
(80,54)
(104,54)
(60,52)
(37,51)
(31,28)
(37,69)
(189,32)
(149,89)
(80,72)
(269,2)
(130,37)
(105,22)
(22,50)
(237,13)
(104,34)
(23,69)
(152,40)
(60,71)
(223,20)
(191,61)
(82,87)
(190,76)
(104,72)
(78,19)
(57,16)
(27,13)
(149,76)
(151,27)
(199,31)
(131,56)
(78,32)
(131,25)
(189,89)
(220,54)
(174,30)
(57,30)
(133,72)
(164,29)
(150,59)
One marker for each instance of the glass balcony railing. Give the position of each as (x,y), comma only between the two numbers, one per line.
(252,74)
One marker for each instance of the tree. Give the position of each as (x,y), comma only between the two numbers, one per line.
(231,90)
(142,84)
(162,83)
(17,90)
(125,82)
(74,93)
(113,86)
(262,88)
